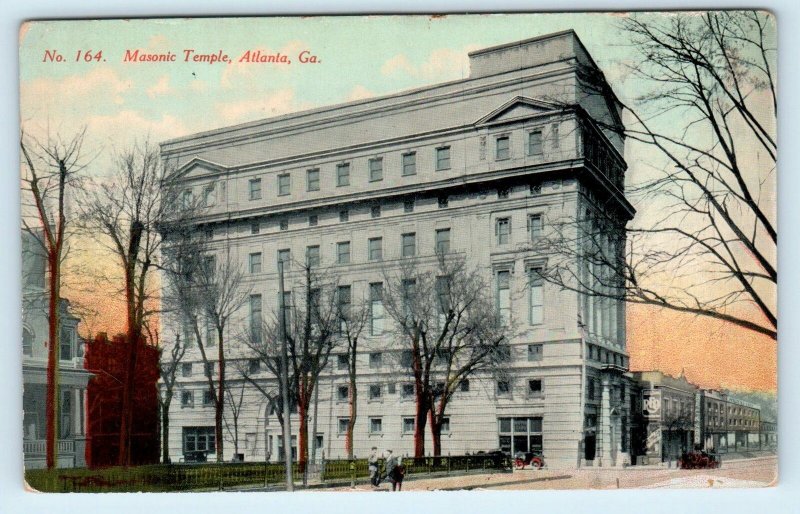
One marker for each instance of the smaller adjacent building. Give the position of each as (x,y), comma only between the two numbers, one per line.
(729,424)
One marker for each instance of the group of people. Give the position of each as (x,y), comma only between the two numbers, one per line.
(392,469)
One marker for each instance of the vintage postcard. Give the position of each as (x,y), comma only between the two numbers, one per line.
(399,253)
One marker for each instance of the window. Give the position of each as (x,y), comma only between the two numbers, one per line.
(343,424)
(343,252)
(408,206)
(535,226)
(209,369)
(443,293)
(284,224)
(535,387)
(187,198)
(591,392)
(375,211)
(504,296)
(375,392)
(536,296)
(253,366)
(186,369)
(535,352)
(407,391)
(342,393)
(503,193)
(535,142)
(391,388)
(312,180)
(208,399)
(502,230)
(344,215)
(312,256)
(409,248)
(255,189)
(554,135)
(442,158)
(211,331)
(343,174)
(375,360)
(285,256)
(409,163)
(342,361)
(406,359)
(284,184)
(65,343)
(255,228)
(443,241)
(376,313)
(343,299)
(520,434)
(375,248)
(443,201)
(187,398)
(375,425)
(408,425)
(464,385)
(503,148)
(255,317)
(255,262)
(503,387)
(503,353)
(445,426)
(313,220)
(536,189)
(209,232)
(375,169)
(199,439)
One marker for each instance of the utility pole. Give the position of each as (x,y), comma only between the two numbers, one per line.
(287,428)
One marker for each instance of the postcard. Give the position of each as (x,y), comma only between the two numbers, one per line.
(399,253)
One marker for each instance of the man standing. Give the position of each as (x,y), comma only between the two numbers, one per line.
(372,462)
(394,471)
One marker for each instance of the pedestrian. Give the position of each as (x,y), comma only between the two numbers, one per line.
(372,463)
(394,471)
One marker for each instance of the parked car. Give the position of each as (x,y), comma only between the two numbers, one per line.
(499,457)
(534,459)
(698,459)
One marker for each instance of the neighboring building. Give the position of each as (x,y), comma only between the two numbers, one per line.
(477,167)
(72,377)
(729,424)
(769,434)
(107,361)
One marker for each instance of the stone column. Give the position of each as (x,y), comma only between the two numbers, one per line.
(604,424)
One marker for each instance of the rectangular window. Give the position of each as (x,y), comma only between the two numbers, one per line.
(343,299)
(209,369)
(503,148)
(591,389)
(255,188)
(343,174)
(253,366)
(502,230)
(375,392)
(186,369)
(503,193)
(408,206)
(409,163)
(409,248)
(375,248)
(343,252)
(343,424)
(255,262)
(391,388)
(285,256)
(375,425)
(284,184)
(208,399)
(535,225)
(342,361)
(443,201)
(408,425)
(376,313)
(312,180)
(312,256)
(503,387)
(536,189)
(344,215)
(375,360)
(535,387)
(445,426)
(504,296)
(211,331)
(407,391)
(535,352)
(199,439)
(554,135)
(313,220)
(342,393)
(375,169)
(442,158)
(187,398)
(375,211)
(521,434)
(255,228)
(284,224)
(255,317)
(464,385)
(65,342)
(535,142)
(406,359)
(442,241)
(536,299)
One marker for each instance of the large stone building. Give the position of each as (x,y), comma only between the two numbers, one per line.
(479,167)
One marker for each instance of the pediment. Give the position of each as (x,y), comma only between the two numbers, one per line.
(199,167)
(518,108)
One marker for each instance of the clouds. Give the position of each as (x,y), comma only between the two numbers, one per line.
(275,103)
(160,88)
(442,64)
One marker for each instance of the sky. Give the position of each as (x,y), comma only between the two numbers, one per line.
(358,57)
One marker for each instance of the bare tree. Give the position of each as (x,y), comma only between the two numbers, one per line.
(708,246)
(234,399)
(49,171)
(168,370)
(448,324)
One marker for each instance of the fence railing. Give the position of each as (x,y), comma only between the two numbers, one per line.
(213,476)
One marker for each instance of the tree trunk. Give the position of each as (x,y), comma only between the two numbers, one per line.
(436,434)
(165,432)
(353,414)
(302,436)
(421,417)
(220,403)
(52,403)
(126,414)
